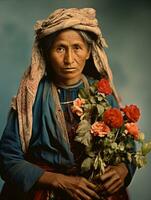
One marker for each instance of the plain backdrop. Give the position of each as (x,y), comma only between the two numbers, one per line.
(125,25)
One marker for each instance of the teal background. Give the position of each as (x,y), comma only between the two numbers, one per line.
(126,26)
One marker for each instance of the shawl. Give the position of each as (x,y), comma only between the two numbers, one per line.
(80,19)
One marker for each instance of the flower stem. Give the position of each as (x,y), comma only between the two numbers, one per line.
(117,133)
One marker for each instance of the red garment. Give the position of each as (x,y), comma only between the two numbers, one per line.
(45,195)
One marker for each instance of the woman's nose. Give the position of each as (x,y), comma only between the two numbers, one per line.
(68,58)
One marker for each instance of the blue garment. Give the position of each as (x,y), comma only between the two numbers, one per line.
(47,144)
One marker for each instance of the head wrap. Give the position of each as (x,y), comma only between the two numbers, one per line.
(81,19)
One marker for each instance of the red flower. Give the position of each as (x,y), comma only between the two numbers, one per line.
(99,129)
(132,129)
(104,86)
(113,118)
(132,112)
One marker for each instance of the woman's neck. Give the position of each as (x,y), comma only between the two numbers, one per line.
(67,82)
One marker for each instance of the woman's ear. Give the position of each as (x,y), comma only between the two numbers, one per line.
(88,53)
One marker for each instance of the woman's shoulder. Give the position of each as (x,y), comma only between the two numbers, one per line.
(91,80)
(40,89)
(112,101)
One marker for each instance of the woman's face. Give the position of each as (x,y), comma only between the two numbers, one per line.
(68,55)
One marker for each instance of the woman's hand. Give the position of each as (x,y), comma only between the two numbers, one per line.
(113,178)
(77,187)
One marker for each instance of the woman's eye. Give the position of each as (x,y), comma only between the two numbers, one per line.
(77,47)
(60,49)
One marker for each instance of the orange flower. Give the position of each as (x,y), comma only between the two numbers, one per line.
(104,86)
(77,106)
(99,129)
(132,112)
(132,129)
(113,118)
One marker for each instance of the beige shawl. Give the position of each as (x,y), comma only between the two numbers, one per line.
(81,19)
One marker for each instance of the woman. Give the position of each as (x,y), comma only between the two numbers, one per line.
(38,155)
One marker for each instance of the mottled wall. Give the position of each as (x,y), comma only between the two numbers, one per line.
(125,25)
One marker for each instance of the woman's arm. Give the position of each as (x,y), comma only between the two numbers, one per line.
(14,169)
(23,175)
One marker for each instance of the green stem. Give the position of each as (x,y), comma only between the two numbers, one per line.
(117,133)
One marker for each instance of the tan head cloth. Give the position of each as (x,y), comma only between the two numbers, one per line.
(81,19)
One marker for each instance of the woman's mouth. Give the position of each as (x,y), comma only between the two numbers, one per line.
(69,69)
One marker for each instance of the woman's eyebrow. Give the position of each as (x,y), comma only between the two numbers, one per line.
(63,43)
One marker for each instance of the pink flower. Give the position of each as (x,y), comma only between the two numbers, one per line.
(77,106)
(132,129)
(104,86)
(99,129)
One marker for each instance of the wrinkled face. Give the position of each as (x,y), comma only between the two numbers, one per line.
(68,55)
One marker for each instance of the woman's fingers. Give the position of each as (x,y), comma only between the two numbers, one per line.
(89,184)
(112,180)
(83,194)
(112,188)
(107,175)
(91,193)
(80,188)
(73,195)
(88,188)
(115,187)
(108,168)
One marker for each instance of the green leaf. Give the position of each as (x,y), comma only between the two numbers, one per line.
(83,127)
(146,148)
(99,98)
(121,146)
(129,157)
(93,89)
(141,137)
(86,139)
(92,99)
(99,164)
(83,93)
(100,109)
(91,154)
(88,106)
(140,160)
(129,146)
(96,163)
(83,133)
(86,164)
(114,145)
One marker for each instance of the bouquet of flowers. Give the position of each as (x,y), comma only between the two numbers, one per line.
(109,135)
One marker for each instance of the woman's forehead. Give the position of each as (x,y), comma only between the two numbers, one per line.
(71,36)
